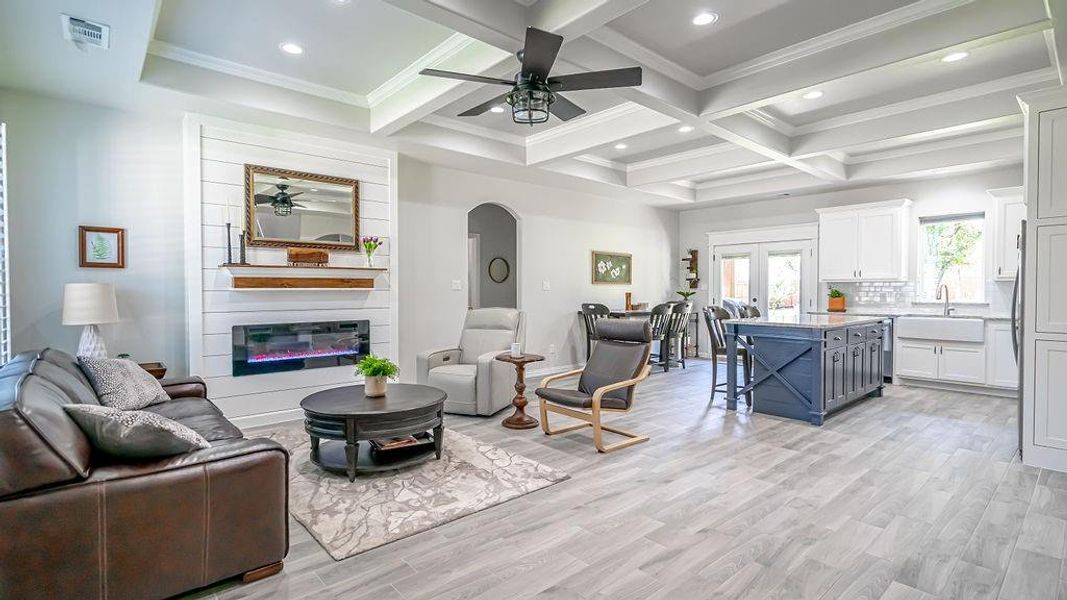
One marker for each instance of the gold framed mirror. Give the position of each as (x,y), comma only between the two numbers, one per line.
(293,209)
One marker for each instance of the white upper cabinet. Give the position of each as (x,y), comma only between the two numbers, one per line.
(1051,176)
(865,242)
(1010,213)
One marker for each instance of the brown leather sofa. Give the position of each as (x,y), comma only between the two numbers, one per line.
(74,524)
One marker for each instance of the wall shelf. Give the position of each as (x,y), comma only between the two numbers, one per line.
(284,277)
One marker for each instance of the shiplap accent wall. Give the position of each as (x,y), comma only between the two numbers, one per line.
(215,153)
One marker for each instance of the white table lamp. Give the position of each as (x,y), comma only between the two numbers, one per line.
(90,304)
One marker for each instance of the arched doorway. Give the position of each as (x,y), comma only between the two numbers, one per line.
(492,257)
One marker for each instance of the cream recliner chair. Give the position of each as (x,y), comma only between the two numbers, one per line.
(476,383)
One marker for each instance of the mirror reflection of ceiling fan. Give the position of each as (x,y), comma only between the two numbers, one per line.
(281,201)
(534,93)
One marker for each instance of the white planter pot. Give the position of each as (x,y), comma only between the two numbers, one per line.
(375,387)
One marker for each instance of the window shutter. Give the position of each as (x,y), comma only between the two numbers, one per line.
(5,288)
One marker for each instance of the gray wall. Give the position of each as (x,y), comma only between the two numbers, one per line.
(496,231)
(76,164)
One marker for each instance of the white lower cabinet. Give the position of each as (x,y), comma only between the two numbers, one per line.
(1050,387)
(941,361)
(1001,369)
(962,362)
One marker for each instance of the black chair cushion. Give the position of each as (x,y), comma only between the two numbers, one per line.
(200,415)
(578,399)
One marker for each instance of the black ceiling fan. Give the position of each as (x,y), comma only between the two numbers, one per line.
(534,93)
(281,201)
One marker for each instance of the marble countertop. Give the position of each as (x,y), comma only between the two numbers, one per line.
(810,321)
(911,313)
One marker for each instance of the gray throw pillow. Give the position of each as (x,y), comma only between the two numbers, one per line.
(134,433)
(121,383)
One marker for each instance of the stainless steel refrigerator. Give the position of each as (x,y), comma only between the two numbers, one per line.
(1017,293)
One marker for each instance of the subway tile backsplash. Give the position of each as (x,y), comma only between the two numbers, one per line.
(878,292)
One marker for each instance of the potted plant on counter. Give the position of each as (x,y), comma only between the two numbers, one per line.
(686,294)
(376,372)
(837,301)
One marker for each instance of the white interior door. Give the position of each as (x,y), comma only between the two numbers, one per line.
(778,277)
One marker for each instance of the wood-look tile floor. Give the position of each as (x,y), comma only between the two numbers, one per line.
(915,495)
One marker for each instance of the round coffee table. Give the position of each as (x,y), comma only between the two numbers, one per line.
(342,417)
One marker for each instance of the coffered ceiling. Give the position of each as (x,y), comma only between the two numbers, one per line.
(772,97)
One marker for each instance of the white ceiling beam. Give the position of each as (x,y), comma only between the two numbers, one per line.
(943,119)
(1057,11)
(758,137)
(759,186)
(703,162)
(497,23)
(1007,150)
(580,135)
(575,18)
(974,24)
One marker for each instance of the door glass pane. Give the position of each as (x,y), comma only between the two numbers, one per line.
(735,278)
(783,285)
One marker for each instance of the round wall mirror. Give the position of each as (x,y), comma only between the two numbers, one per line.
(499,269)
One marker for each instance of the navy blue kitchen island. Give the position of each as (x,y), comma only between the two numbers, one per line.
(805,367)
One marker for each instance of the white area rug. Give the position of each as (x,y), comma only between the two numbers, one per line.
(352,517)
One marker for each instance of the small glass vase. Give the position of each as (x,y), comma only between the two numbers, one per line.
(370,260)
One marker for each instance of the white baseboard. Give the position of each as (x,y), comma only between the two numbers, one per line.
(270,418)
(956,387)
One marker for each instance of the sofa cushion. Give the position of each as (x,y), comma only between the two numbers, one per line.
(120,383)
(134,433)
(200,415)
(39,444)
(63,370)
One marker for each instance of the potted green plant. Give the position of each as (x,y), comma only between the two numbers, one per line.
(376,371)
(837,301)
(686,294)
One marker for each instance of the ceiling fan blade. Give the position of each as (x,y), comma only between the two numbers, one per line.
(298,205)
(565,109)
(464,77)
(264,199)
(594,80)
(484,106)
(539,53)
(294,195)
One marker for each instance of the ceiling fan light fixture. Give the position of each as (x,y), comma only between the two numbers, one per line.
(283,209)
(529,105)
(497,109)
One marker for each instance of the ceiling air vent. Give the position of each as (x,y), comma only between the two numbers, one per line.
(85,33)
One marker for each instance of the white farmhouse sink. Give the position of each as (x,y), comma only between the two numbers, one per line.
(949,329)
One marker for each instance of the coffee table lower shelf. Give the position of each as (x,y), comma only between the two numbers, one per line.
(331,456)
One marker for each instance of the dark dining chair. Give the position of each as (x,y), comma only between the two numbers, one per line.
(752,312)
(591,313)
(659,319)
(678,332)
(713,318)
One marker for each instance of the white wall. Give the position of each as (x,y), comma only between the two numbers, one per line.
(497,231)
(950,195)
(76,164)
(216,152)
(557,231)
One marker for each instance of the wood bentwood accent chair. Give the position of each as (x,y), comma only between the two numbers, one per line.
(713,318)
(608,382)
(591,313)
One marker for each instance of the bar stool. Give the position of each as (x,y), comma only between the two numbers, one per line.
(713,318)
(591,313)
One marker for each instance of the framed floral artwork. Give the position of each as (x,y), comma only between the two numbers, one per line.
(612,268)
(101,247)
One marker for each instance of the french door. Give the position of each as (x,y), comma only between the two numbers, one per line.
(776,277)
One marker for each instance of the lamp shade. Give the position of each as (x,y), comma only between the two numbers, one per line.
(89,304)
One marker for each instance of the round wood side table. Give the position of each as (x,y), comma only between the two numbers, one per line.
(520,420)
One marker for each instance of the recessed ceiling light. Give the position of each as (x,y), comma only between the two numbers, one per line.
(341,1)
(291,48)
(621,146)
(497,109)
(685,129)
(953,57)
(313,190)
(812,95)
(705,18)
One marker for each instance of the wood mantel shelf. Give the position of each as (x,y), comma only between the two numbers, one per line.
(284,277)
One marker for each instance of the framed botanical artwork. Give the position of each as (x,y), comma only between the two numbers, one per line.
(101,247)
(612,268)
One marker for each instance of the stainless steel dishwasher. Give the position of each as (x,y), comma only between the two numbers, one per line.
(887,350)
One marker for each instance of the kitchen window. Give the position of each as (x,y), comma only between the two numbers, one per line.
(952,253)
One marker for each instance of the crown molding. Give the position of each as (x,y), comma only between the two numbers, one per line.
(660,161)
(624,45)
(587,122)
(761,115)
(219,65)
(456,43)
(972,91)
(477,130)
(850,33)
(601,162)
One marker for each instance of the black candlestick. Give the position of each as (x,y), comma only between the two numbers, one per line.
(244,260)
(229,245)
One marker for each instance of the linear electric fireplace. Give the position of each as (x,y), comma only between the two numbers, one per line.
(261,349)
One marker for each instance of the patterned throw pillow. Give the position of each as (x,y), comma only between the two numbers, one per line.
(121,384)
(134,433)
